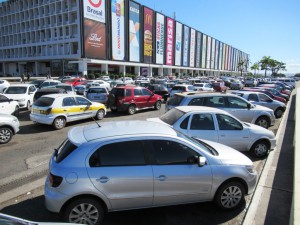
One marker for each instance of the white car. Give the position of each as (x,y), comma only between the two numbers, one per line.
(58,109)
(8,106)
(9,126)
(203,87)
(22,93)
(100,83)
(219,126)
(69,88)
(3,85)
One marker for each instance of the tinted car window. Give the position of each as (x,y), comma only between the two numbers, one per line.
(65,149)
(184,123)
(16,90)
(172,153)
(118,92)
(237,103)
(175,100)
(171,116)
(202,122)
(196,101)
(264,98)
(138,92)
(215,101)
(82,101)
(228,123)
(3,98)
(146,92)
(44,101)
(128,153)
(127,92)
(69,101)
(253,97)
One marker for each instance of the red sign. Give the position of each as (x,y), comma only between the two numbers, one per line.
(170,41)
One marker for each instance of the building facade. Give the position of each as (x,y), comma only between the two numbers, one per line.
(110,36)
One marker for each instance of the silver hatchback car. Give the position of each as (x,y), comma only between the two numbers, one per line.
(123,165)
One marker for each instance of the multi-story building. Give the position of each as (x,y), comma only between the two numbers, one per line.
(52,36)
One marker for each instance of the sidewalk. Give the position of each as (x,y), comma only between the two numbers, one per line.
(271,203)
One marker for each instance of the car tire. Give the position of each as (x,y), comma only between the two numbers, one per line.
(278,112)
(16,112)
(59,123)
(260,149)
(100,114)
(131,109)
(157,105)
(28,106)
(6,134)
(230,195)
(263,121)
(84,211)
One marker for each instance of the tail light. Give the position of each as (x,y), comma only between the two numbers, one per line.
(55,181)
(48,111)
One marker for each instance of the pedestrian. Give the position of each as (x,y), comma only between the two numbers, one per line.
(22,78)
(28,77)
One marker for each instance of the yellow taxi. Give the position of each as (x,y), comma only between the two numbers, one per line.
(58,109)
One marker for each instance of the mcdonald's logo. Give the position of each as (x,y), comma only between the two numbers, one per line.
(148,19)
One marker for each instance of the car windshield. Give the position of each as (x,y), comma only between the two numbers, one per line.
(44,101)
(198,85)
(201,144)
(67,88)
(172,116)
(16,90)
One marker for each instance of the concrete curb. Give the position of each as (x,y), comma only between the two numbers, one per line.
(261,186)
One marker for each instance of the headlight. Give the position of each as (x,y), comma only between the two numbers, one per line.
(250,169)
(21,100)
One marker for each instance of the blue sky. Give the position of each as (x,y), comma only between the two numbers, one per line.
(257,27)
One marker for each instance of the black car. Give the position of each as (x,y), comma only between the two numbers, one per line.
(159,89)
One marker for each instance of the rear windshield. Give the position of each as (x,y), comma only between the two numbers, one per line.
(172,116)
(44,101)
(65,149)
(117,92)
(178,88)
(97,90)
(175,100)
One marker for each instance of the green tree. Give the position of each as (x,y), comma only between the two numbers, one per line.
(241,66)
(267,63)
(255,67)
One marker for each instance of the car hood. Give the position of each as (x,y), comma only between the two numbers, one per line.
(256,130)
(228,155)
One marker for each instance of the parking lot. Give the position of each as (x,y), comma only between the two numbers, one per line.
(28,155)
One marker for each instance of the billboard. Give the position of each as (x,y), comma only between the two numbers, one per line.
(217,55)
(94,10)
(134,32)
(160,38)
(117,30)
(148,31)
(170,41)
(94,29)
(186,40)
(198,49)
(178,44)
(192,48)
(203,58)
(220,56)
(213,52)
(208,50)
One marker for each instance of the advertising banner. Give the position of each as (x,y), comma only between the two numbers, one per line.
(94,39)
(198,49)
(203,58)
(186,40)
(224,56)
(148,39)
(208,56)
(94,10)
(160,38)
(170,41)
(117,29)
(213,52)
(178,44)
(220,55)
(134,32)
(192,48)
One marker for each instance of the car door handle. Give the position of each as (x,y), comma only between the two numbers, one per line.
(102,179)
(161,178)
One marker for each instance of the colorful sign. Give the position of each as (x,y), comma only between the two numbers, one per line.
(208,55)
(192,48)
(186,40)
(148,39)
(178,44)
(94,39)
(170,41)
(217,55)
(160,38)
(134,32)
(220,56)
(213,47)
(204,46)
(198,49)
(117,29)
(94,10)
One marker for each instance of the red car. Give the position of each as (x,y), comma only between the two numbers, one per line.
(278,88)
(278,98)
(76,81)
(219,86)
(132,98)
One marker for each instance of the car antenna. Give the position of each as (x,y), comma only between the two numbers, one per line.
(96,122)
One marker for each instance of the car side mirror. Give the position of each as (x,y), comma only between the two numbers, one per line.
(249,106)
(201,161)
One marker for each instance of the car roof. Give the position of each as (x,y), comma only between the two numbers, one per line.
(187,109)
(202,93)
(50,90)
(115,129)
(21,85)
(58,95)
